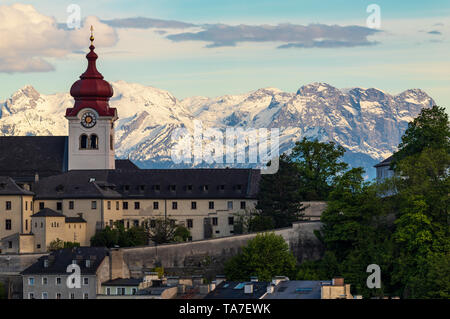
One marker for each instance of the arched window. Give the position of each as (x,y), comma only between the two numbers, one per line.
(83,142)
(93,142)
(111,142)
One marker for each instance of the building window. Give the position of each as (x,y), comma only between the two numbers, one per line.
(41,205)
(108,291)
(173,188)
(211,205)
(83,142)
(215,221)
(190,223)
(221,187)
(72,295)
(58,295)
(86,296)
(174,205)
(120,291)
(31,295)
(8,205)
(58,206)
(155,205)
(230,220)
(242,205)
(86,280)
(109,205)
(137,205)
(136,223)
(10,244)
(111,142)
(128,224)
(26,224)
(152,223)
(8,224)
(38,246)
(117,205)
(125,205)
(26,205)
(31,205)
(193,205)
(44,280)
(31,281)
(93,142)
(156,188)
(71,204)
(230,205)
(58,280)
(133,291)
(94,204)
(205,188)
(189,187)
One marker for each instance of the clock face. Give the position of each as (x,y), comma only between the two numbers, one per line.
(88,120)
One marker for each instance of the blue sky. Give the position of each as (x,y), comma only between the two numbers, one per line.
(410,51)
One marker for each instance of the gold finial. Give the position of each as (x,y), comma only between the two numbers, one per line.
(92,35)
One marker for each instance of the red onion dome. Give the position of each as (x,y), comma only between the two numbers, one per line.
(91,91)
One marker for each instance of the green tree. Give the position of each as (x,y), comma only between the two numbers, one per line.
(430,129)
(119,236)
(318,165)
(181,233)
(265,256)
(161,230)
(55,245)
(279,201)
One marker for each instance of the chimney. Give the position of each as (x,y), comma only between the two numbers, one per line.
(338,281)
(117,266)
(248,288)
(36,177)
(270,288)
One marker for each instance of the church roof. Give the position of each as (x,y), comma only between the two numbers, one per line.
(151,183)
(24,156)
(9,187)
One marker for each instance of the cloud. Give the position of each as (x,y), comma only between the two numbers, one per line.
(313,35)
(435,32)
(29,38)
(147,23)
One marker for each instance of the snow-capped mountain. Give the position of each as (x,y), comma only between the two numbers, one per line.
(367,122)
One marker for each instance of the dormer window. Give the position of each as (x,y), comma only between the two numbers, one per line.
(88,263)
(126,187)
(221,187)
(141,188)
(45,263)
(156,187)
(172,188)
(205,188)
(189,187)
(238,187)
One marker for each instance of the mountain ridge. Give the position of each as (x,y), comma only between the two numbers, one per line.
(368,123)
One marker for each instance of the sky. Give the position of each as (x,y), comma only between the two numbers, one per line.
(213,48)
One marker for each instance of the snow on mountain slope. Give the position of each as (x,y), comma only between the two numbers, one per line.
(367,122)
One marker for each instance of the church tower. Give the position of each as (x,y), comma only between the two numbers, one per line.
(91,120)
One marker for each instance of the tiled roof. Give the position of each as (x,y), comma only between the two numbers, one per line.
(47,212)
(151,183)
(385,162)
(9,187)
(75,220)
(131,282)
(235,290)
(24,156)
(297,289)
(60,259)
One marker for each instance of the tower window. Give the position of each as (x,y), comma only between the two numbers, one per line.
(111,142)
(93,142)
(83,142)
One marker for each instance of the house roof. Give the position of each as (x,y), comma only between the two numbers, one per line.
(127,282)
(151,183)
(47,212)
(9,187)
(297,289)
(385,162)
(60,259)
(235,290)
(24,156)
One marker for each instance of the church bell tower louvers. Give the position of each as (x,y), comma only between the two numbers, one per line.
(91,120)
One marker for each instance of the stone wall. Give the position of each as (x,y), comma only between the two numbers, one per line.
(207,257)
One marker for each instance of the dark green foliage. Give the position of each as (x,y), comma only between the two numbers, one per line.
(265,256)
(318,165)
(119,236)
(181,233)
(163,231)
(279,197)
